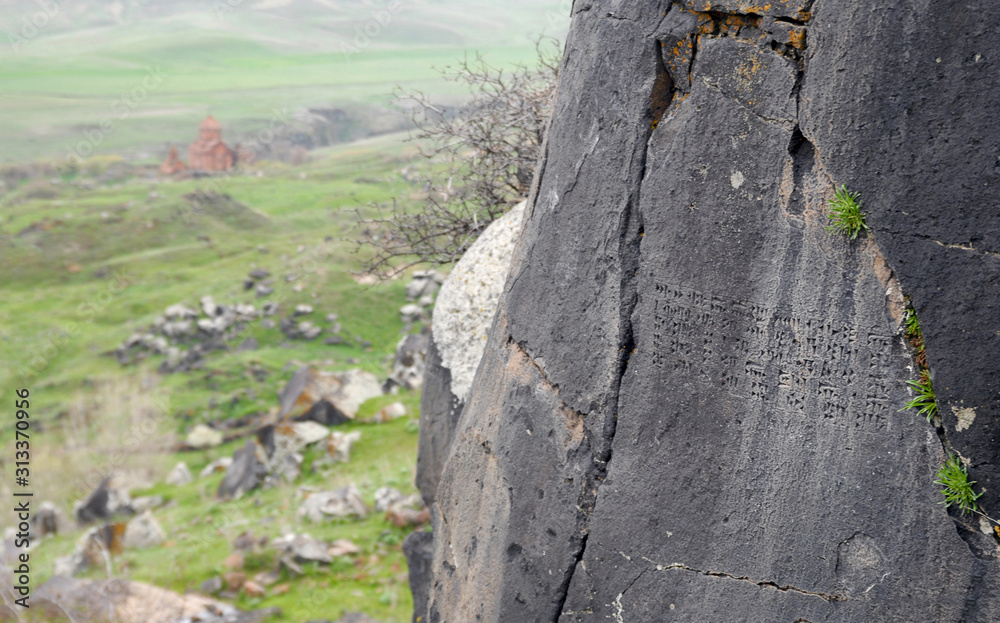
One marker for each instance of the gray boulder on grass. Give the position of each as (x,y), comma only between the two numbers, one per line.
(247,472)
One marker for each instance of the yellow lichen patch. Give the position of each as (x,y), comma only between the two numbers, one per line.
(778,8)
(674,105)
(678,58)
(734,23)
(747,70)
(706,25)
(797,38)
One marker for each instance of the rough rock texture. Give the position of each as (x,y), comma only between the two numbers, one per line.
(410,362)
(689,404)
(144,531)
(462,318)
(124,601)
(326,397)
(468,299)
(439,411)
(246,472)
(109,499)
(419,550)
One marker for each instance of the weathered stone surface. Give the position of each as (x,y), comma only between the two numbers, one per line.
(245,473)
(309,433)
(439,411)
(508,495)
(143,531)
(220,464)
(919,138)
(342,502)
(689,404)
(410,362)
(325,397)
(303,548)
(424,283)
(106,501)
(419,550)
(179,476)
(385,497)
(338,447)
(462,318)
(124,601)
(468,300)
(795,9)
(48,519)
(389,413)
(202,436)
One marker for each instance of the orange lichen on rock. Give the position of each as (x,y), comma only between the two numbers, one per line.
(795,9)
(797,38)
(678,58)
(706,24)
(734,23)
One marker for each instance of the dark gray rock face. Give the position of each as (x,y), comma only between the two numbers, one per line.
(419,550)
(247,471)
(439,411)
(920,138)
(104,503)
(689,405)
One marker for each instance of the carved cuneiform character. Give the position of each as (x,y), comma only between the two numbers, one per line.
(810,362)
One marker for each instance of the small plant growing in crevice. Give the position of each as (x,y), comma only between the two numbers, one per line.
(954,477)
(912,325)
(924,402)
(913,334)
(846,214)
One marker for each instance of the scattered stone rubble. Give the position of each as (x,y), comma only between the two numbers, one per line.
(274,456)
(184,335)
(342,502)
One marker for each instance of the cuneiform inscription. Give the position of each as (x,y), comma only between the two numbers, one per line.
(810,366)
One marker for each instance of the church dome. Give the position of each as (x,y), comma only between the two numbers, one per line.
(210,124)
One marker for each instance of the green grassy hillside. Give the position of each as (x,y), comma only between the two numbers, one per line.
(85,263)
(95,244)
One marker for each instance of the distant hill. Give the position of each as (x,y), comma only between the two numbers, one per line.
(305,25)
(67,67)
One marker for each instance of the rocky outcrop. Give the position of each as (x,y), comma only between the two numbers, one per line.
(328,398)
(123,601)
(419,550)
(689,405)
(462,318)
(468,300)
(410,363)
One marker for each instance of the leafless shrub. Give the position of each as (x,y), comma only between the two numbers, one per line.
(481,161)
(121,428)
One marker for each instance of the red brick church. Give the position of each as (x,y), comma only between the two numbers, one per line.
(207,154)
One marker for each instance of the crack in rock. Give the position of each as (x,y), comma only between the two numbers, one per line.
(965,247)
(761,583)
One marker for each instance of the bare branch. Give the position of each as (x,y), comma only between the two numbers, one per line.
(483,157)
